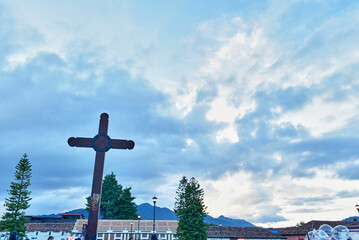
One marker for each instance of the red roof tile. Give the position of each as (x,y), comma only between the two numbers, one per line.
(49,227)
(314,224)
(242,232)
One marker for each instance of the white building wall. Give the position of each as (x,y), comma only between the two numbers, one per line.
(354,235)
(45,235)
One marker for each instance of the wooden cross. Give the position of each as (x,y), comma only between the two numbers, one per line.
(101,143)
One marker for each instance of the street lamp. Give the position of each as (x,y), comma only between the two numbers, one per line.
(131,231)
(138,227)
(357,207)
(154,213)
(297,232)
(220,230)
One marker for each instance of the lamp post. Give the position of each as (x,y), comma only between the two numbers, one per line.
(220,230)
(131,231)
(138,227)
(154,213)
(357,208)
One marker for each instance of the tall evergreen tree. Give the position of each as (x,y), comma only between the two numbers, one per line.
(18,202)
(111,191)
(126,205)
(190,210)
(116,202)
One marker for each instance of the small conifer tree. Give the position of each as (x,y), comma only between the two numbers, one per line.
(14,218)
(126,204)
(190,210)
(111,190)
(116,202)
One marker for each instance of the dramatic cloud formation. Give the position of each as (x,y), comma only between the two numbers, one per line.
(258,100)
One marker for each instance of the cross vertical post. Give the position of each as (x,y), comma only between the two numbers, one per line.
(101,143)
(94,210)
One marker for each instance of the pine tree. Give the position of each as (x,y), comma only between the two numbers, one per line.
(116,202)
(127,209)
(190,210)
(14,217)
(111,191)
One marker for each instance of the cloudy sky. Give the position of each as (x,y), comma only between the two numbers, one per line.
(258,100)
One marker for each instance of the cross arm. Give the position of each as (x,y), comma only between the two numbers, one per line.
(87,142)
(79,142)
(122,144)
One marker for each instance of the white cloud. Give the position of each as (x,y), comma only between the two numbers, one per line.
(243,195)
(191,144)
(221,111)
(56,201)
(250,61)
(228,134)
(320,116)
(277,157)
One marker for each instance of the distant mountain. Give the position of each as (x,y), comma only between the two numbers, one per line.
(351,219)
(146,212)
(79,211)
(50,216)
(228,222)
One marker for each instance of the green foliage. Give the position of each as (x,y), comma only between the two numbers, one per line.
(211,225)
(116,202)
(127,205)
(301,223)
(190,210)
(2,225)
(110,194)
(14,218)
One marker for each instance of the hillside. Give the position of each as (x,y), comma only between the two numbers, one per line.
(146,212)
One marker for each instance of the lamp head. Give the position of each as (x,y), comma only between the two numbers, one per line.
(154,199)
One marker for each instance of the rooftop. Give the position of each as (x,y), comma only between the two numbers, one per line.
(49,227)
(120,225)
(314,224)
(242,232)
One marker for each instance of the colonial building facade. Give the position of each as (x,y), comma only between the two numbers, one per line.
(70,229)
(125,229)
(140,230)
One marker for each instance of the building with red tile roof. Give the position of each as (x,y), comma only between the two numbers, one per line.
(300,232)
(242,233)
